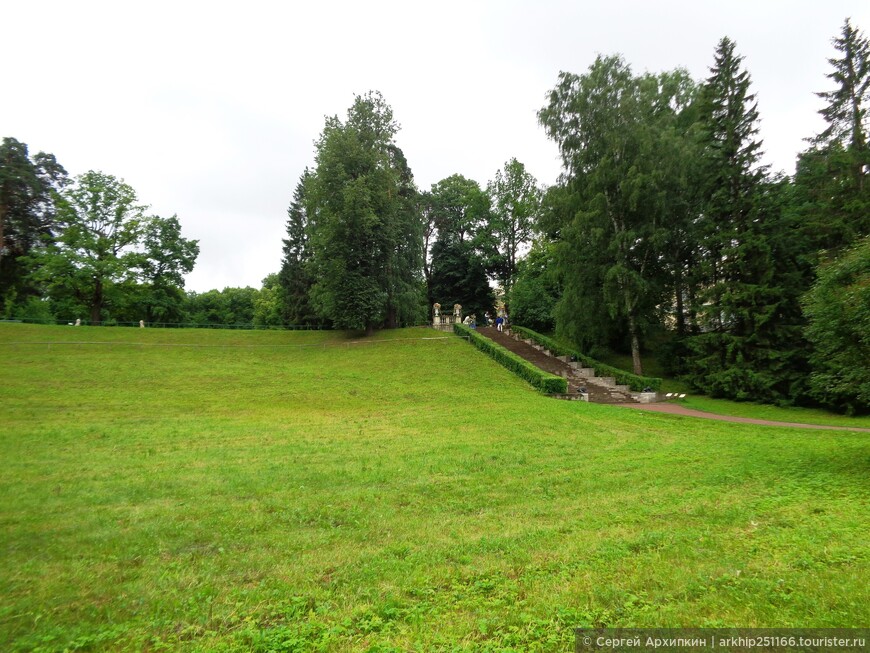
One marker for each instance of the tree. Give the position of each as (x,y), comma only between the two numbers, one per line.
(516,201)
(749,312)
(107,246)
(366,242)
(838,308)
(227,307)
(459,277)
(27,215)
(536,289)
(166,257)
(833,193)
(294,279)
(460,208)
(267,303)
(846,113)
(457,212)
(612,129)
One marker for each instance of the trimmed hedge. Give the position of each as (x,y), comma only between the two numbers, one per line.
(633,381)
(543,381)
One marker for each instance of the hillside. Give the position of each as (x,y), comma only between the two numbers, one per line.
(231,490)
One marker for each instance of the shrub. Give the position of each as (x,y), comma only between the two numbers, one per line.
(543,381)
(635,382)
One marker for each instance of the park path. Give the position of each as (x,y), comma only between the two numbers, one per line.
(598,390)
(605,393)
(677,409)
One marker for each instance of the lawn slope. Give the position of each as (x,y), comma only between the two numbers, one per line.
(228,490)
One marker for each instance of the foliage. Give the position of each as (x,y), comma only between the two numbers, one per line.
(833,191)
(267,304)
(365,236)
(752,270)
(614,130)
(227,307)
(543,381)
(459,277)
(295,280)
(459,245)
(27,216)
(109,254)
(536,290)
(516,204)
(96,253)
(634,381)
(167,256)
(460,209)
(838,308)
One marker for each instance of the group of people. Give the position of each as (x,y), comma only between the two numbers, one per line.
(500,321)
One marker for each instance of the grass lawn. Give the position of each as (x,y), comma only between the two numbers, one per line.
(204,490)
(763,411)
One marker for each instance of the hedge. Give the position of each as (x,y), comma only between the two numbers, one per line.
(635,382)
(543,381)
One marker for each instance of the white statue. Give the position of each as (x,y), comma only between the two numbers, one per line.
(78,322)
(437,308)
(457,310)
(141,324)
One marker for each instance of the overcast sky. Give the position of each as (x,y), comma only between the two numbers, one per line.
(210,109)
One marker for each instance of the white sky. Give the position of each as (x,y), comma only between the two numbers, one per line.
(210,109)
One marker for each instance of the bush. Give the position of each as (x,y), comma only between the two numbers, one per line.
(543,381)
(635,382)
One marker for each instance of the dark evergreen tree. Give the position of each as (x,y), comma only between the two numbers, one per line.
(459,277)
(457,212)
(832,187)
(295,279)
(27,216)
(749,307)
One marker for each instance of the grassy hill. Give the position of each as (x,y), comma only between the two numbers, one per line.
(229,490)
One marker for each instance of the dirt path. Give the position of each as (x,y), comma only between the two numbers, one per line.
(676,409)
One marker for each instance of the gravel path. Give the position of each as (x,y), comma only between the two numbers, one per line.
(677,409)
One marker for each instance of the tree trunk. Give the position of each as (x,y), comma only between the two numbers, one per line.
(97,303)
(678,289)
(2,222)
(370,328)
(635,345)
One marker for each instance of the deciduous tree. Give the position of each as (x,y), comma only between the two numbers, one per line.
(516,203)
(366,242)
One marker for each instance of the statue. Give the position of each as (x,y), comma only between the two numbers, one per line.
(79,322)
(437,308)
(141,324)
(457,310)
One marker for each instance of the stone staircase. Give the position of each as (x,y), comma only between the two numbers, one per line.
(582,382)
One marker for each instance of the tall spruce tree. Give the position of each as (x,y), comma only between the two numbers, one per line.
(833,175)
(295,279)
(748,309)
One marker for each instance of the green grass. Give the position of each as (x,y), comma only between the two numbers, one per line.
(775,413)
(296,491)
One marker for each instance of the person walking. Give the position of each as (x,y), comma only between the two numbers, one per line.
(499,323)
